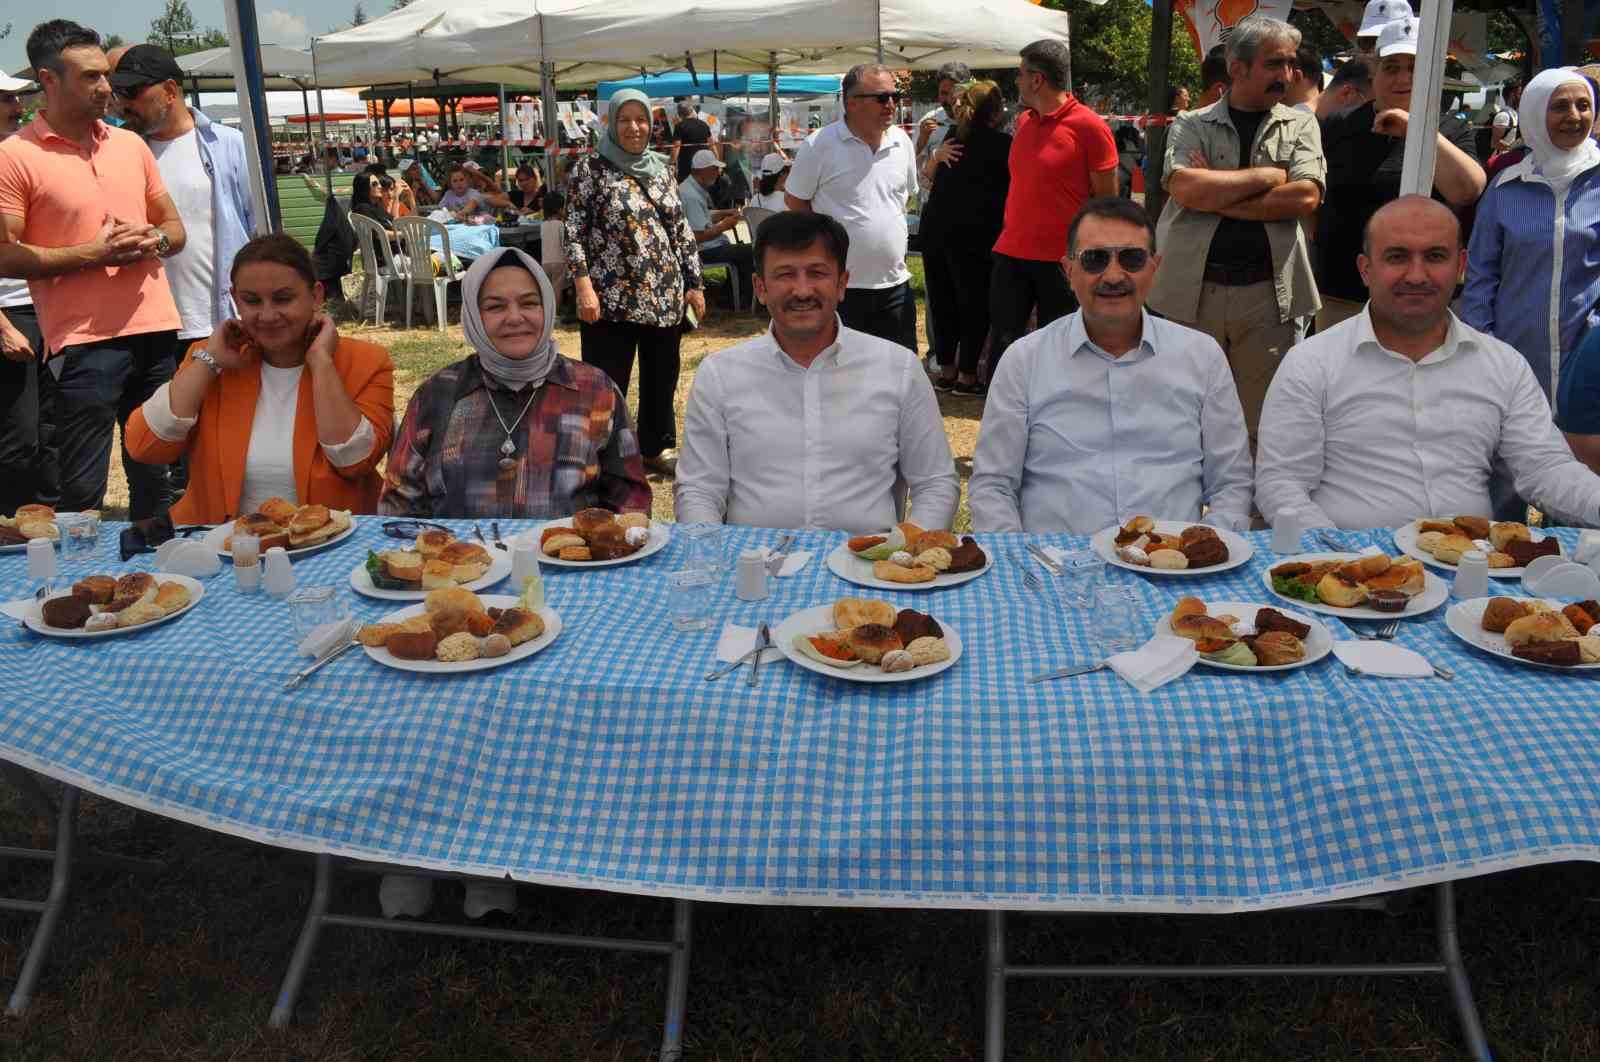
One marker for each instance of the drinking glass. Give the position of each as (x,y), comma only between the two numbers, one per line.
(1081,572)
(705,548)
(247,563)
(1116,619)
(80,535)
(311,607)
(689,598)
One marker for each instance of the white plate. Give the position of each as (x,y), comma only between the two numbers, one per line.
(196,592)
(660,535)
(1405,537)
(499,568)
(1434,592)
(819,619)
(1239,549)
(1318,643)
(218,535)
(852,569)
(552,629)
(1465,620)
(22,547)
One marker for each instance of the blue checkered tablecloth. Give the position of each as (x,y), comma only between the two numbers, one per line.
(607,762)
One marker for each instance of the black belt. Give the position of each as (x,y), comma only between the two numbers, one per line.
(1237,278)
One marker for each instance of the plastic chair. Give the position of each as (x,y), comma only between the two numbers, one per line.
(733,279)
(416,243)
(753,217)
(378,266)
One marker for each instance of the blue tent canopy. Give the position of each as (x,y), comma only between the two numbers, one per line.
(680,83)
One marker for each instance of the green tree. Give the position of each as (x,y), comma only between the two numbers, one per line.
(4,33)
(1111,52)
(358,17)
(175,22)
(113,40)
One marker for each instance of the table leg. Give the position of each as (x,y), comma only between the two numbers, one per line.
(283,1009)
(55,902)
(994,1026)
(1456,972)
(677,981)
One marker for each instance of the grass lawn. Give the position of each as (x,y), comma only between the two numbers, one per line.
(185,965)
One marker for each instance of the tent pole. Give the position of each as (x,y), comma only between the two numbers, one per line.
(1422,131)
(552,127)
(411,98)
(772,99)
(1155,196)
(505,141)
(245,44)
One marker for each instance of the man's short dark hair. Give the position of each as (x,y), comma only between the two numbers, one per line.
(554,203)
(1355,72)
(49,39)
(957,72)
(1214,71)
(1309,60)
(795,230)
(685,111)
(1051,60)
(1117,209)
(377,169)
(858,73)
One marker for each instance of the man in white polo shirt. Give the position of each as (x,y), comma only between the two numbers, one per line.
(862,170)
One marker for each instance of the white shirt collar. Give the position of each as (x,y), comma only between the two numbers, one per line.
(832,351)
(1456,337)
(1078,339)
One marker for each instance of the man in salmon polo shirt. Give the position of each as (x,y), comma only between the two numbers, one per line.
(86,220)
(1062,155)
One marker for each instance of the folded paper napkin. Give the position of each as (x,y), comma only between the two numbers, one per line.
(791,564)
(20,609)
(737,641)
(328,637)
(1055,553)
(1156,662)
(1588,547)
(1383,659)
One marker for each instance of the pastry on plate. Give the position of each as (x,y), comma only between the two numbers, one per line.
(1340,590)
(1473,526)
(897,660)
(1438,527)
(928,650)
(586,521)
(337,523)
(967,557)
(871,640)
(438,573)
(469,560)
(1539,627)
(171,597)
(376,634)
(1407,576)
(1133,530)
(95,589)
(1499,613)
(627,520)
(140,612)
(448,620)
(1525,553)
(933,540)
(432,542)
(1270,619)
(1274,648)
(131,589)
(890,572)
(1363,568)
(68,613)
(519,625)
(452,597)
(1564,653)
(849,612)
(280,511)
(1205,551)
(457,648)
(412,645)
(403,565)
(1503,534)
(937,557)
(1168,560)
(911,625)
(575,553)
(552,544)
(494,645)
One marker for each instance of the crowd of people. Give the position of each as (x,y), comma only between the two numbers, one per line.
(1280,345)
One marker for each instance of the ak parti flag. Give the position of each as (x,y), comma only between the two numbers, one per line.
(1210,21)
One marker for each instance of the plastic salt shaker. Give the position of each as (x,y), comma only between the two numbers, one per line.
(1472,576)
(750,584)
(278,578)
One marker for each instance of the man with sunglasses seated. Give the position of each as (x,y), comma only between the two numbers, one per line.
(862,170)
(1110,413)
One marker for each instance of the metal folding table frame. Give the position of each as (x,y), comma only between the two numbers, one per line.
(1448,966)
(63,857)
(675,950)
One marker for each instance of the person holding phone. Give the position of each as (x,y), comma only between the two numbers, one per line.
(273,404)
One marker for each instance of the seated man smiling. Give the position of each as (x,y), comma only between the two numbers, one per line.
(1403,410)
(1110,413)
(813,424)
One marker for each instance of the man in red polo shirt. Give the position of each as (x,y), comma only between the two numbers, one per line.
(1062,155)
(86,219)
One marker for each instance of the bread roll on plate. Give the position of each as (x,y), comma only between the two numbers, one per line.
(171,597)
(1364,568)
(1168,560)
(280,511)
(470,560)
(850,612)
(431,543)
(1502,534)
(1540,627)
(403,564)
(1340,591)
(1407,576)
(1499,613)
(452,597)
(438,573)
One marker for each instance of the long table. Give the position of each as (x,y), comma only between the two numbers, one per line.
(607,762)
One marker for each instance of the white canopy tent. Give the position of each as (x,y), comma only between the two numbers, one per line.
(507,40)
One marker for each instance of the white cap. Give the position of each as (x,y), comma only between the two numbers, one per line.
(773,163)
(704,160)
(1380,13)
(1398,38)
(473,166)
(14,84)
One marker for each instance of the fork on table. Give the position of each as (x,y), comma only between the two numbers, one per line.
(499,543)
(780,553)
(1030,580)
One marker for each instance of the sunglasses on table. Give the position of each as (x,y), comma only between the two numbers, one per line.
(882,97)
(1098,259)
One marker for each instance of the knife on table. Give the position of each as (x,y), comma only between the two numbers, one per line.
(1068,672)
(1045,559)
(763,640)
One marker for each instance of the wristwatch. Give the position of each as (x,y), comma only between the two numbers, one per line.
(163,243)
(203,356)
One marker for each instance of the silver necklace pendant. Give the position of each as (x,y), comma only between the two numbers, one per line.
(508,447)
(506,464)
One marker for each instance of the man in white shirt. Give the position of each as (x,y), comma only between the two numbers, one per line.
(710,226)
(862,170)
(813,425)
(1110,413)
(1504,124)
(1403,410)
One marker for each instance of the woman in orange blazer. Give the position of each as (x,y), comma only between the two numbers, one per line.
(274,404)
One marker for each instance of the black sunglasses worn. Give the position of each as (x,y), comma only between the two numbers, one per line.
(881,97)
(128,92)
(1097,260)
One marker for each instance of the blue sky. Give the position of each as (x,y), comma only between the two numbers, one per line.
(287,22)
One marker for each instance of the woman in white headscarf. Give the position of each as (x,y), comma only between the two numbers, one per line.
(635,265)
(1533,266)
(514,429)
